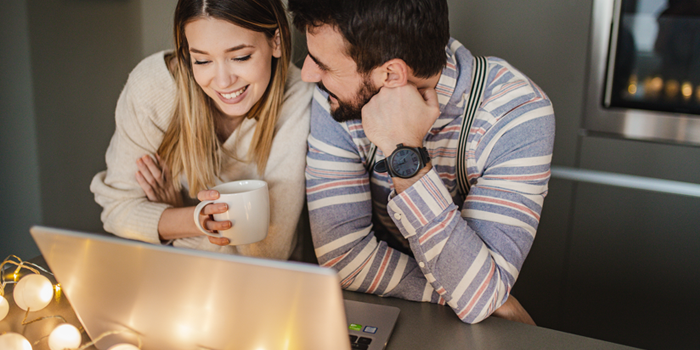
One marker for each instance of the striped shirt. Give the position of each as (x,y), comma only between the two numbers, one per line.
(428,243)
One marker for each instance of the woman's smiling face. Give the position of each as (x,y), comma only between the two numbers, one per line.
(231,64)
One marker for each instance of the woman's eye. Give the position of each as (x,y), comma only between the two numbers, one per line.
(200,62)
(242,58)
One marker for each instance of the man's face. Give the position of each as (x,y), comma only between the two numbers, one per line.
(336,73)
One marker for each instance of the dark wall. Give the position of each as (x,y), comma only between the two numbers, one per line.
(20,200)
(64,64)
(608,262)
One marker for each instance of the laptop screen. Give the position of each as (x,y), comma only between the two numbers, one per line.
(184,299)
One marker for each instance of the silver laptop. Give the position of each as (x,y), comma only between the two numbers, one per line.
(185,299)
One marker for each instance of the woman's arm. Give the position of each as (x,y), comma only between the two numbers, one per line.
(144,110)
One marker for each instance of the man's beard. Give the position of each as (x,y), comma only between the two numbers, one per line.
(352,110)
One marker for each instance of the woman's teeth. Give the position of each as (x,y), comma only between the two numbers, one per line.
(234,94)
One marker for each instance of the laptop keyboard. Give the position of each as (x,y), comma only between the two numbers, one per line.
(359,343)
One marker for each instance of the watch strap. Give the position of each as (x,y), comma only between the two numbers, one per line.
(382,166)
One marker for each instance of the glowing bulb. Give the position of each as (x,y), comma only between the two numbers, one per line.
(4,308)
(14,341)
(65,336)
(33,292)
(672,88)
(123,347)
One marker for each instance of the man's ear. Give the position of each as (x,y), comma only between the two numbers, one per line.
(392,73)
(277,44)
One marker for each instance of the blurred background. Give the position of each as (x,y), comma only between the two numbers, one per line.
(610,261)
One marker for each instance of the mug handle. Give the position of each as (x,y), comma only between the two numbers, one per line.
(197,210)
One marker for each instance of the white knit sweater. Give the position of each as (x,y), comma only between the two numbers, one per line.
(143,114)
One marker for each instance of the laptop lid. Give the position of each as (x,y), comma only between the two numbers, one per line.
(187,299)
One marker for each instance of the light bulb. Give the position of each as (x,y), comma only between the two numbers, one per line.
(14,341)
(65,336)
(123,347)
(4,308)
(33,292)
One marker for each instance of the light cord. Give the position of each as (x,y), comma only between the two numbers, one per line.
(21,264)
(87,345)
(24,321)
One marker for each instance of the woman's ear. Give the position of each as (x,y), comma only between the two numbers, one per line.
(393,73)
(277,45)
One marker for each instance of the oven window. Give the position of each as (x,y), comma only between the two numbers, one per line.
(655,60)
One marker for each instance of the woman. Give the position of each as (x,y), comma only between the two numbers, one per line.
(225,105)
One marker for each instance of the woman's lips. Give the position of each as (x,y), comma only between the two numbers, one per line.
(235,96)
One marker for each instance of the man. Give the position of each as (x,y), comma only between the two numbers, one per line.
(390,75)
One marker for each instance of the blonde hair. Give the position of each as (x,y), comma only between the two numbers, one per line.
(190,145)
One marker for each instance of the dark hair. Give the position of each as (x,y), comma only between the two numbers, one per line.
(377,31)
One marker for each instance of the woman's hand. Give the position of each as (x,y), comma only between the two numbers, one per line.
(156,181)
(206,217)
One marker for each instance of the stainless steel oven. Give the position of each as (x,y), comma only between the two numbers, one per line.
(644,76)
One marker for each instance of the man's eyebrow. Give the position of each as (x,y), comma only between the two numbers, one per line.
(319,63)
(232,49)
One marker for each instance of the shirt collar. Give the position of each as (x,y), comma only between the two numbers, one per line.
(453,83)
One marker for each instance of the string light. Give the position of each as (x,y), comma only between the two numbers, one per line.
(65,336)
(4,308)
(33,292)
(687,91)
(14,341)
(123,347)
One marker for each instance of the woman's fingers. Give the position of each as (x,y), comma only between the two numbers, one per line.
(154,169)
(145,172)
(219,240)
(214,208)
(146,187)
(213,226)
(208,195)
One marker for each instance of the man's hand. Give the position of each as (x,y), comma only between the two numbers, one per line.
(400,115)
(512,310)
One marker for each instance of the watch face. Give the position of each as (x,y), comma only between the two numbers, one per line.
(405,162)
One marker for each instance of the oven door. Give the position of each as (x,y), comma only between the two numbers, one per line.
(644,77)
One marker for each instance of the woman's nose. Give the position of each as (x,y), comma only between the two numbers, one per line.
(224,77)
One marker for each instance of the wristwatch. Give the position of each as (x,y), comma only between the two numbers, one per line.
(405,162)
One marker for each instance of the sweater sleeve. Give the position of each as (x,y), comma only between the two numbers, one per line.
(143,112)
(284,173)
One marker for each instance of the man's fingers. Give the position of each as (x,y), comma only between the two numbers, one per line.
(430,97)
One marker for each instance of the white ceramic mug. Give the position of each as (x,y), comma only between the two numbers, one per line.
(248,210)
